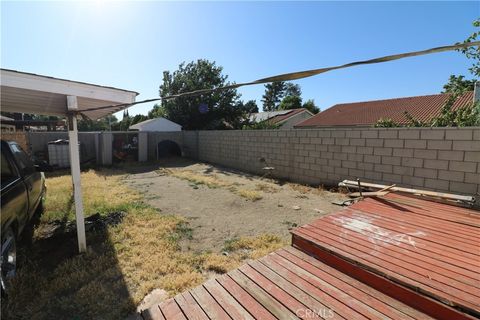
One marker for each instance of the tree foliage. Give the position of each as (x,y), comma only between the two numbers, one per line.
(290,102)
(250,107)
(274,93)
(463,116)
(293,89)
(458,85)
(103,124)
(310,106)
(473,53)
(157,111)
(218,110)
(385,123)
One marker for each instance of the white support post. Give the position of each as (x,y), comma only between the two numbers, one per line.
(72,105)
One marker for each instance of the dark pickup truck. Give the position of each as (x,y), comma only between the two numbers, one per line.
(23,190)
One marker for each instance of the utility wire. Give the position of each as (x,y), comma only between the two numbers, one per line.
(298,75)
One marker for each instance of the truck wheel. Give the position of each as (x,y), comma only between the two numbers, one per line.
(8,258)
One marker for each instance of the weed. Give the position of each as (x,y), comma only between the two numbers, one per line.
(249,194)
(266,188)
(303,189)
(290,225)
(210,181)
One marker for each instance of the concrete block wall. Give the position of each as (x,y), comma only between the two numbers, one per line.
(38,141)
(441,159)
(154,138)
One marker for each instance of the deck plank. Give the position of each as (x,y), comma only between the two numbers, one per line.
(300,295)
(346,306)
(245,299)
(436,218)
(208,304)
(190,307)
(372,260)
(228,303)
(171,310)
(263,297)
(431,226)
(298,308)
(306,292)
(465,276)
(383,303)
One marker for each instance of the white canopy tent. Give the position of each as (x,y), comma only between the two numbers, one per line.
(37,94)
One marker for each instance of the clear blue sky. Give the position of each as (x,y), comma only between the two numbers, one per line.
(129,44)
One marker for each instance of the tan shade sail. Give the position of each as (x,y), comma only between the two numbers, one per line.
(32,93)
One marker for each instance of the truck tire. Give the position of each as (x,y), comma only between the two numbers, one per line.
(8,263)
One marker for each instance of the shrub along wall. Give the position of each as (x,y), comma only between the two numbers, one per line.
(442,159)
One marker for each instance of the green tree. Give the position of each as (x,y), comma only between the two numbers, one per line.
(274,93)
(290,102)
(157,111)
(473,53)
(385,123)
(250,107)
(292,89)
(138,118)
(310,106)
(217,110)
(458,85)
(103,124)
(463,116)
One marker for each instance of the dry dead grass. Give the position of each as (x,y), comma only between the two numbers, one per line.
(124,262)
(210,181)
(103,192)
(264,187)
(251,195)
(303,189)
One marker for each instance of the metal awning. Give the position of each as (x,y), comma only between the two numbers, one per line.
(37,94)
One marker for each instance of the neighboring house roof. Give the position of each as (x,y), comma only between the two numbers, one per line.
(285,116)
(156,124)
(276,116)
(367,113)
(262,116)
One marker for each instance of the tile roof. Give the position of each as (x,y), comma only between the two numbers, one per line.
(366,113)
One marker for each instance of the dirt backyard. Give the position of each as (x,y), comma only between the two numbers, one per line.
(222,205)
(211,221)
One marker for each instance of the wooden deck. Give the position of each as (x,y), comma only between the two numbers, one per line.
(287,284)
(394,257)
(426,253)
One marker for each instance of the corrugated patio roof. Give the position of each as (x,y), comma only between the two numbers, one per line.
(367,113)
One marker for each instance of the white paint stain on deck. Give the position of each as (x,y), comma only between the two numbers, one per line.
(376,234)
